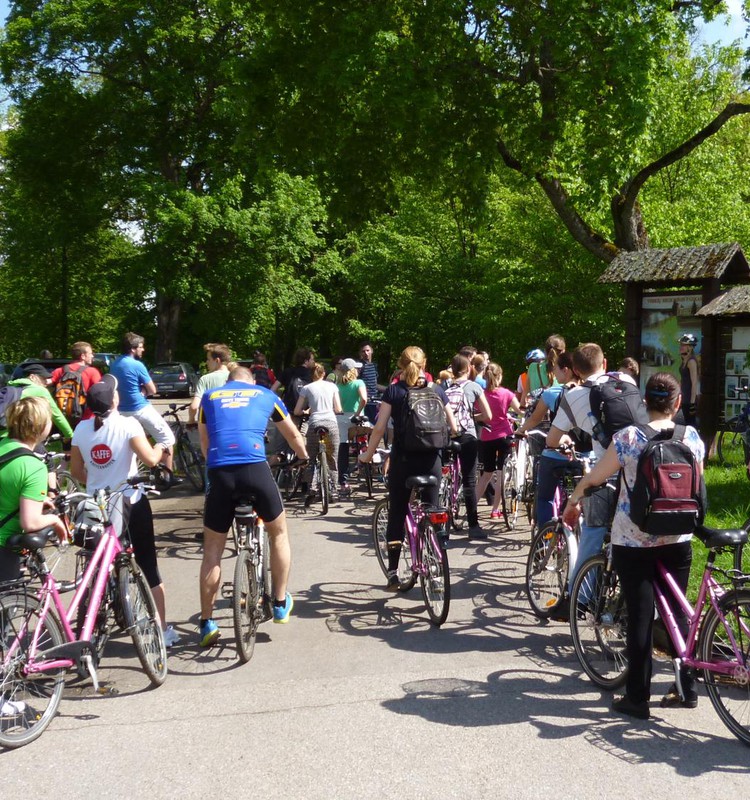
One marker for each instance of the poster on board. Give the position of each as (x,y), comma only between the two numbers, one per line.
(736,380)
(666,317)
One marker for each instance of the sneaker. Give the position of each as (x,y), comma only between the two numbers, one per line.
(171,636)
(477,532)
(496,515)
(345,490)
(12,708)
(281,613)
(624,705)
(209,633)
(393,583)
(672,698)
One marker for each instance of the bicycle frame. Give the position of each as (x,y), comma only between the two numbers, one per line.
(414,515)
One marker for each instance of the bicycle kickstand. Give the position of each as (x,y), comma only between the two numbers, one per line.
(88,660)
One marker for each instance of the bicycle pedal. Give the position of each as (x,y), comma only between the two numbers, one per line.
(227,590)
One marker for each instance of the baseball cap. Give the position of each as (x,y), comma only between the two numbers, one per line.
(36,369)
(101,394)
(350,363)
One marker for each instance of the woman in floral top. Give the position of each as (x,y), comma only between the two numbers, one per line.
(635,553)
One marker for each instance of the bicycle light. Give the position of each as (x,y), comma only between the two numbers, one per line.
(439,517)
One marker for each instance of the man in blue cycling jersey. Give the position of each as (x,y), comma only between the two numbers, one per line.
(232,424)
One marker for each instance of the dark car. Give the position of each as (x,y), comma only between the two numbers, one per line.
(174,378)
(50,364)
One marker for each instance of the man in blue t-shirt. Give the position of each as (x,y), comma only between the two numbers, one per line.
(134,385)
(368,373)
(232,424)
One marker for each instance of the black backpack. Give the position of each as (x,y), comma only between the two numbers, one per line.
(291,392)
(615,404)
(8,395)
(668,497)
(424,427)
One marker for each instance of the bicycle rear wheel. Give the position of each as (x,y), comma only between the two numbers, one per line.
(246,604)
(28,703)
(598,620)
(510,495)
(435,580)
(325,484)
(191,463)
(406,577)
(142,622)
(547,570)
(66,482)
(729,694)
(731,447)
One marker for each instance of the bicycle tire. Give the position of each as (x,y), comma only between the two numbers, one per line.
(458,508)
(729,694)
(246,604)
(40,693)
(547,569)
(510,495)
(324,484)
(529,493)
(66,482)
(142,622)
(406,576)
(191,464)
(731,446)
(368,479)
(598,620)
(435,579)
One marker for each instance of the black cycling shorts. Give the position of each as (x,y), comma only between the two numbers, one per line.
(494,452)
(231,485)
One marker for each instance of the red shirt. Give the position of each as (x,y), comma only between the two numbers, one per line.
(90,376)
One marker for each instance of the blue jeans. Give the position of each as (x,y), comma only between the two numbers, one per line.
(592,541)
(548,477)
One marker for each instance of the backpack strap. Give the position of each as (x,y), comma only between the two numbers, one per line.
(6,459)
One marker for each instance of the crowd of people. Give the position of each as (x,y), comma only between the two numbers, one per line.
(243,412)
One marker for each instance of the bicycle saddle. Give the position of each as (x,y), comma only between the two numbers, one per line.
(721,537)
(31,541)
(420,481)
(453,446)
(245,507)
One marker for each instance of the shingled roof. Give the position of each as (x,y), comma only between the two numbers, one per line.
(679,265)
(734,301)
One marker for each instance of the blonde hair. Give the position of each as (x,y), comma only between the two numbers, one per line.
(412,362)
(27,419)
(493,375)
(318,371)
(350,376)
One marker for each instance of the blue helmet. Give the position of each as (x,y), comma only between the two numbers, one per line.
(535,355)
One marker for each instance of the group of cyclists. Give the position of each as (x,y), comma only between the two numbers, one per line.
(243,413)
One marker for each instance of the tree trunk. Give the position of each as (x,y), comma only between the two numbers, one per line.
(167,326)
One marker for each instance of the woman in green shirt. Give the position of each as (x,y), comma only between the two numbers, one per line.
(23,478)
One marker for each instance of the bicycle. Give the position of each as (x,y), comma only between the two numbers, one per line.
(451,493)
(424,557)
(39,639)
(554,547)
(252,594)
(321,476)
(187,456)
(359,438)
(510,486)
(718,640)
(733,443)
(535,442)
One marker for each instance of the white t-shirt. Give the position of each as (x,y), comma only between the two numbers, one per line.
(108,457)
(320,396)
(575,411)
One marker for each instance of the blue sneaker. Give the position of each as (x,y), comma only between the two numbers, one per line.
(281,613)
(209,633)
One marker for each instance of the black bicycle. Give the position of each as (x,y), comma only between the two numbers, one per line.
(187,457)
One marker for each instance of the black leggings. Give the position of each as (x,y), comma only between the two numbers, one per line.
(469,454)
(636,569)
(140,524)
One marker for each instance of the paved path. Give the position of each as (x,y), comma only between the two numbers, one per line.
(359,697)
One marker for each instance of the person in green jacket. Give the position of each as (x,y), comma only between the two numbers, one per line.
(34,384)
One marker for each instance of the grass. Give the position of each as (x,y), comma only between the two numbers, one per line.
(728,507)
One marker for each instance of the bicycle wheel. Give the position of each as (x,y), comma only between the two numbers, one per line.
(34,698)
(529,495)
(731,447)
(324,484)
(547,570)
(510,495)
(406,577)
(143,623)
(598,619)
(729,694)
(246,604)
(191,463)
(435,580)
(67,483)
(458,508)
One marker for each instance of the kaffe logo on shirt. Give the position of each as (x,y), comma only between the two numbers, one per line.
(101,455)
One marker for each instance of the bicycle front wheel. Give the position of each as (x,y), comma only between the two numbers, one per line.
(246,605)
(67,483)
(435,577)
(598,621)
(547,570)
(142,623)
(727,642)
(28,703)
(458,509)
(731,448)
(325,484)
(510,494)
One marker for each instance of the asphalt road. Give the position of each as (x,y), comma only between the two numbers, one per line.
(359,697)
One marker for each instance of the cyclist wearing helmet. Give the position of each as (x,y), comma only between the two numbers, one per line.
(535,376)
(689,378)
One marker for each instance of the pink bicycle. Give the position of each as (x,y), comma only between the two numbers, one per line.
(718,640)
(40,640)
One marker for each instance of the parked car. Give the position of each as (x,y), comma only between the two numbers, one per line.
(50,364)
(174,378)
